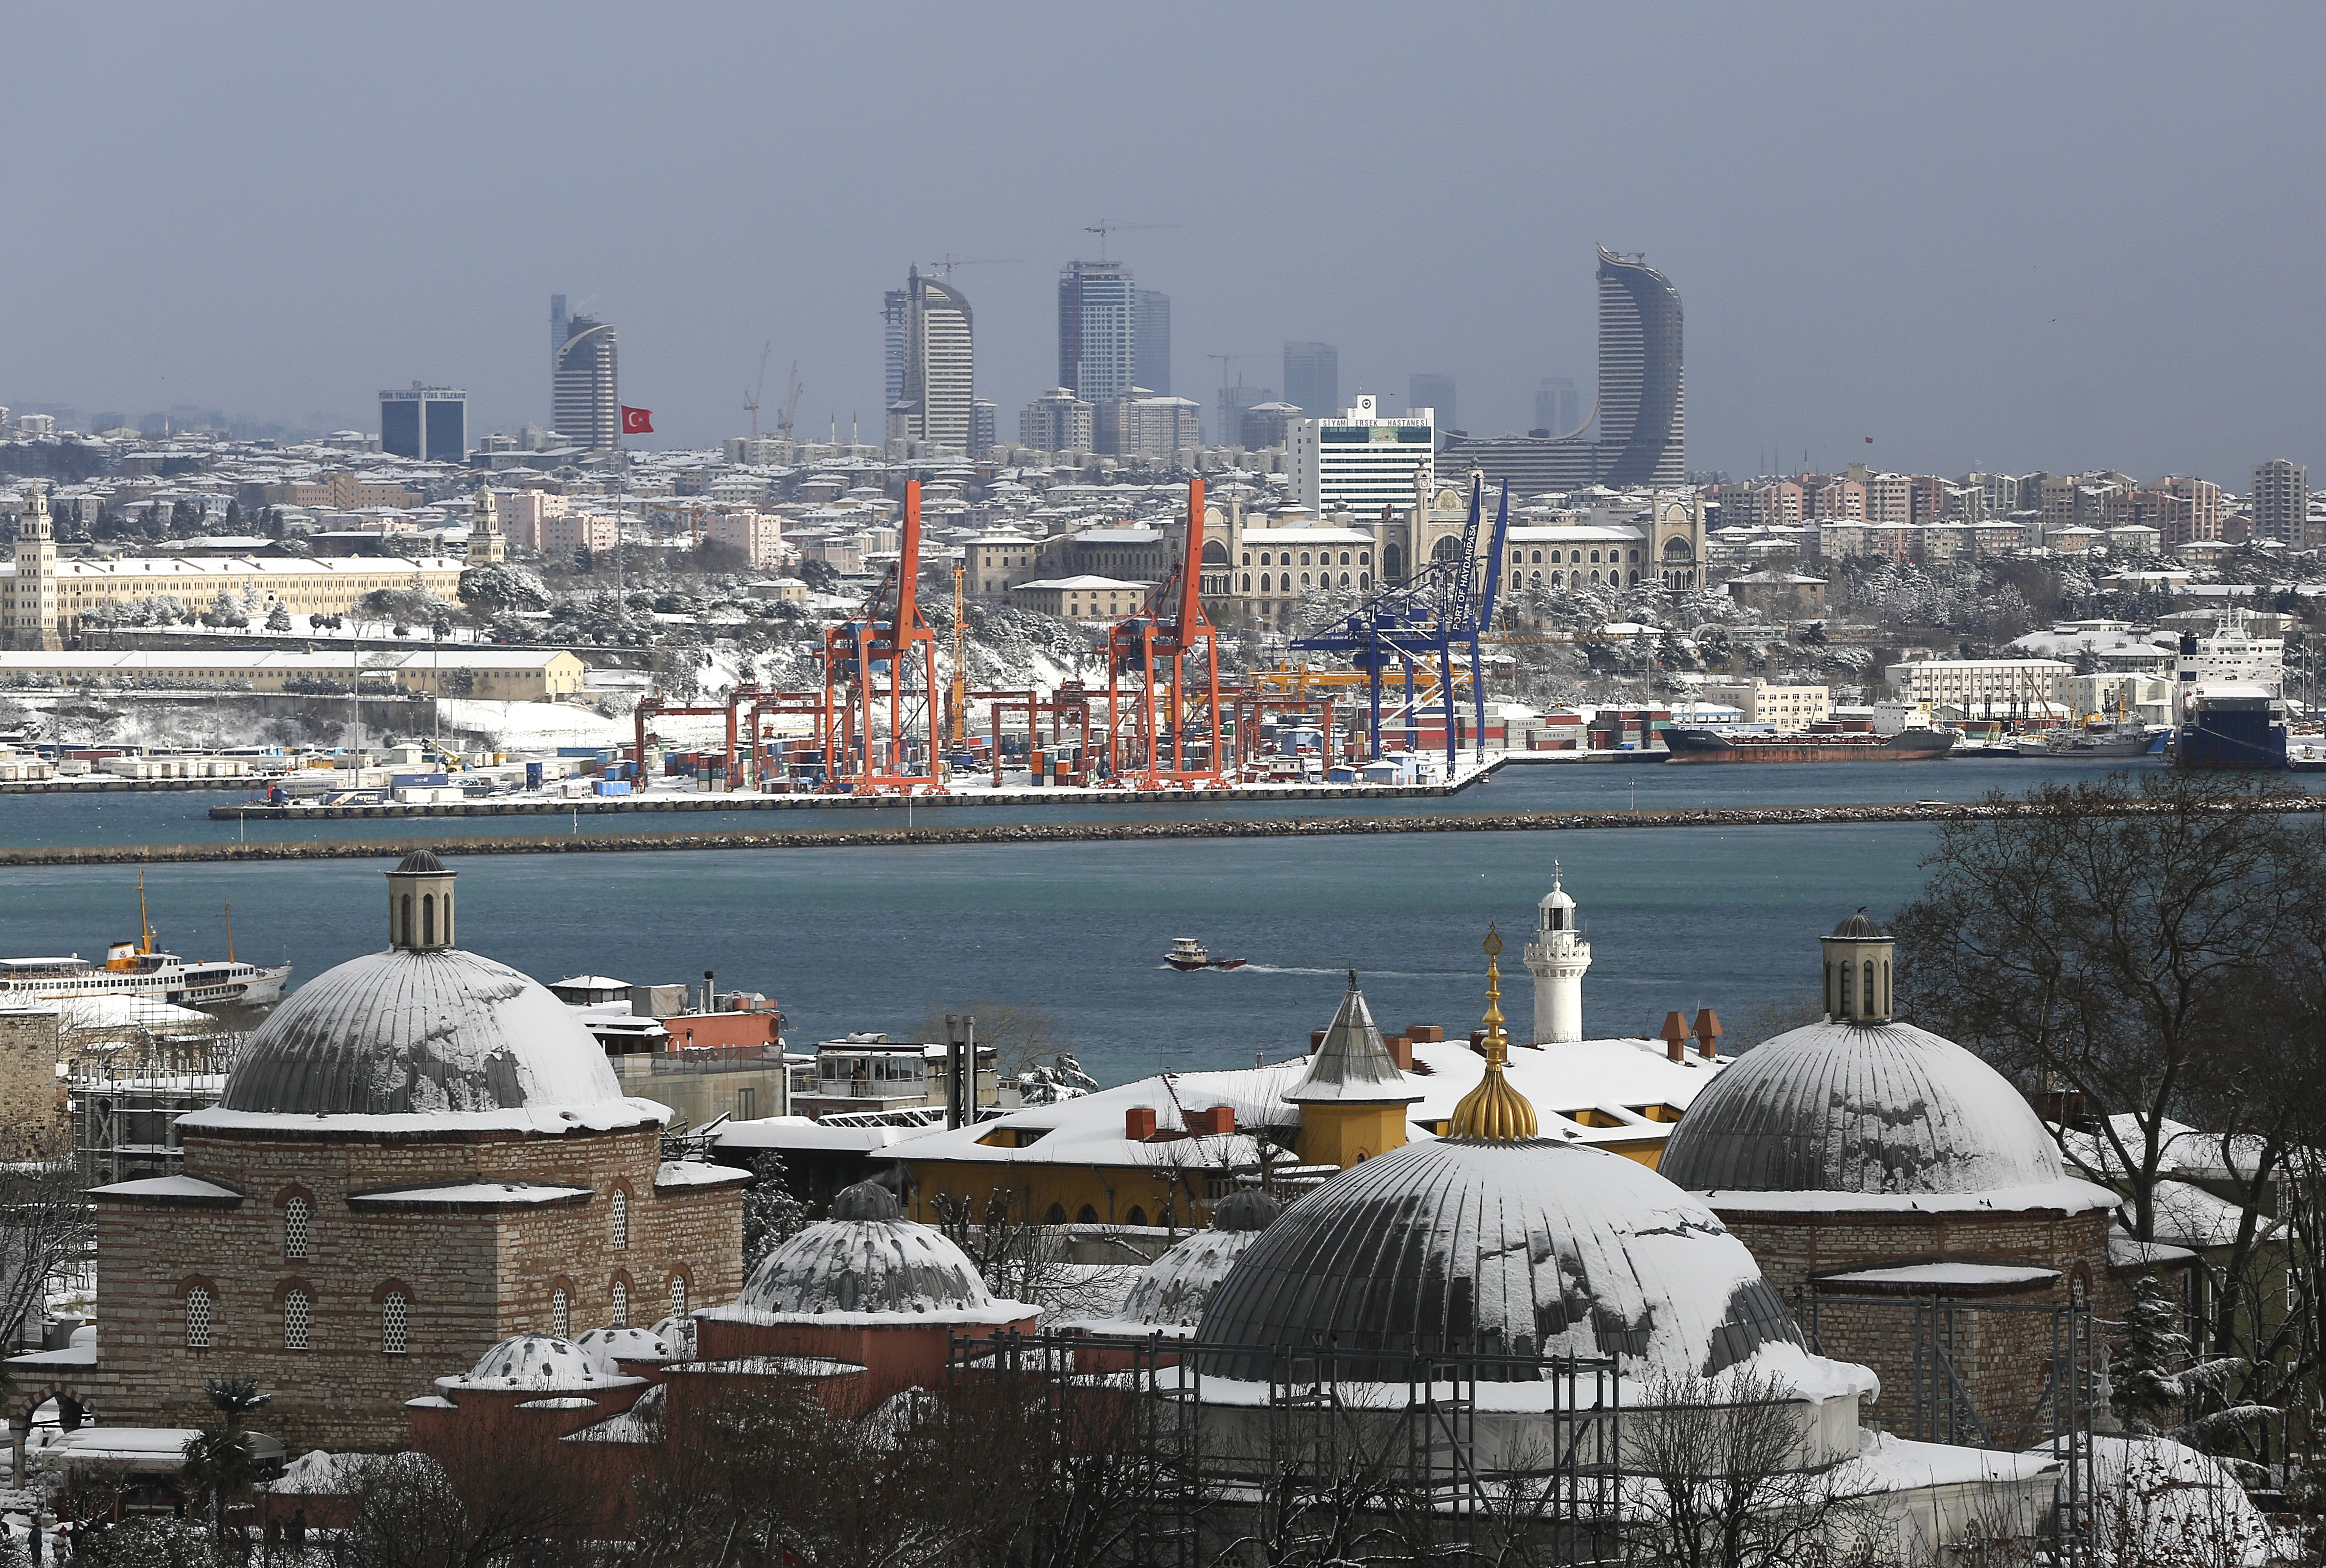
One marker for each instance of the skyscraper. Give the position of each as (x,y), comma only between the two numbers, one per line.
(1312,378)
(934,403)
(1435,393)
(1234,401)
(1098,330)
(584,395)
(1152,363)
(1558,406)
(1642,425)
(2281,501)
(428,422)
(556,329)
(892,336)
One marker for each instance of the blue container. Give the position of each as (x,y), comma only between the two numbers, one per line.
(613,786)
(533,772)
(417,780)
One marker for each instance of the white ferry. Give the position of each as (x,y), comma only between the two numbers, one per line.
(138,968)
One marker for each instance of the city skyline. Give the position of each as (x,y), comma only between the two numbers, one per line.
(2000,339)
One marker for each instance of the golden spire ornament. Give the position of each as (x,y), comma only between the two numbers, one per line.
(1494,1110)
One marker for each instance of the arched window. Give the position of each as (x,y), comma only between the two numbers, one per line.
(1364,580)
(1595,575)
(1538,558)
(1304,580)
(296,1217)
(1344,558)
(1871,994)
(621,1217)
(199,1314)
(1393,562)
(1595,558)
(1344,579)
(1364,558)
(1886,1003)
(561,1314)
(396,1324)
(678,1295)
(1138,1216)
(1303,558)
(1518,557)
(1446,548)
(621,1303)
(1263,582)
(1247,558)
(298,1321)
(1537,579)
(1633,556)
(1636,579)
(1056,1215)
(1247,582)
(1089,1216)
(1846,973)
(1263,558)
(407,919)
(428,920)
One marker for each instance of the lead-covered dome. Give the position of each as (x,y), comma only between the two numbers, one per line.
(866,1258)
(537,1363)
(1527,1248)
(1860,1107)
(1173,1291)
(410,1031)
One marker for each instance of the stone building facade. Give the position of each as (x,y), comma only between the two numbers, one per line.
(33,1105)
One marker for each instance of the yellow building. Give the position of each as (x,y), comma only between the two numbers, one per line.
(493,674)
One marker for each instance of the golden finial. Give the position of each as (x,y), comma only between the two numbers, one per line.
(1494,1109)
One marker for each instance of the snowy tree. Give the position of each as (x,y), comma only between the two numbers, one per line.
(278,619)
(772,1215)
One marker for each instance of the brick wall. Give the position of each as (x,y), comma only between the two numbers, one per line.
(474,1275)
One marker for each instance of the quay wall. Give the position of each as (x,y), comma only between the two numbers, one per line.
(1041,833)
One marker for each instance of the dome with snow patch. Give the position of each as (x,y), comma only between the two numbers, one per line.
(608,1346)
(540,1362)
(878,1264)
(1174,1289)
(1523,1248)
(1860,1107)
(678,1333)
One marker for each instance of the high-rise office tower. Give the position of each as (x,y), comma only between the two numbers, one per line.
(428,422)
(892,336)
(1151,362)
(1558,407)
(1312,378)
(935,401)
(585,397)
(1098,330)
(1642,425)
(1435,393)
(558,320)
(1359,460)
(2281,501)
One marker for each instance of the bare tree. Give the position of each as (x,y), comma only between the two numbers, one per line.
(1020,1035)
(487,1498)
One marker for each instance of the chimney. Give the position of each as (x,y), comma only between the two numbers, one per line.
(1425,1034)
(1316,1038)
(1675,1037)
(1139,1123)
(1708,1033)
(1478,1041)
(1400,1051)
(708,1005)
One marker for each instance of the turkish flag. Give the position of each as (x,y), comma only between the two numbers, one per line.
(637,421)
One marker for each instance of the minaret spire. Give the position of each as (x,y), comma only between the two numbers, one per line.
(1494,1110)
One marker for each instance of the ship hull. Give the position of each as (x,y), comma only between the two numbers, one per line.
(2215,743)
(195,986)
(1709,746)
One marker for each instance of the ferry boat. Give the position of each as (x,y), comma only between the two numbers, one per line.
(1916,744)
(139,969)
(1187,953)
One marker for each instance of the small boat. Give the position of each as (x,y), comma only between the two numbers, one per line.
(1187,953)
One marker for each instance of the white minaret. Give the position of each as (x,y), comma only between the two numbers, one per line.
(1556,957)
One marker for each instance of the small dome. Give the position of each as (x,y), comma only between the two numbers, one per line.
(1859,1108)
(607,1347)
(420,862)
(1520,1248)
(1175,1287)
(865,1266)
(1858,927)
(409,1031)
(539,1361)
(678,1333)
(865,1201)
(1245,1209)
(1557,898)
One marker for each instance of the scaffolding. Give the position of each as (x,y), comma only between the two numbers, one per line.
(125,1093)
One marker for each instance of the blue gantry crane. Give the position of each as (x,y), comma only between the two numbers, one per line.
(1439,607)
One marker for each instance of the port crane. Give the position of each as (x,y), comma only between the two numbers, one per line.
(751,403)
(1163,679)
(791,403)
(1425,616)
(866,659)
(1103,228)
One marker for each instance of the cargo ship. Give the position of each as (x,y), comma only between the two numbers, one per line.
(2232,728)
(1713,745)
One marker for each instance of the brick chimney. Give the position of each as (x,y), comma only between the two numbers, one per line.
(1139,1123)
(1708,1033)
(1675,1037)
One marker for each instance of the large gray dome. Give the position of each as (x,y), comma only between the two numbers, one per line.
(404,1031)
(1527,1250)
(865,1266)
(1861,1108)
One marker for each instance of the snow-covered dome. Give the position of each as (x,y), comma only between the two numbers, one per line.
(1860,1107)
(608,1346)
(1173,1290)
(535,1361)
(1527,1247)
(414,1030)
(865,1258)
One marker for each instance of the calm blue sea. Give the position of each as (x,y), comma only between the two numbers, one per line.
(874,939)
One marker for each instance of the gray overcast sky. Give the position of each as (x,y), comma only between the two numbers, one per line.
(2055,236)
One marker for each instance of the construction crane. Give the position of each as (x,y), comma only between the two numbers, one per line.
(751,403)
(958,730)
(865,660)
(1152,656)
(943,269)
(791,403)
(1103,228)
(1424,617)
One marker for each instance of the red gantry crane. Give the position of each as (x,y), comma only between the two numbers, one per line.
(865,662)
(1163,680)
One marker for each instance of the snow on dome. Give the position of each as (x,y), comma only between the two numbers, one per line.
(1175,1287)
(408,1031)
(865,1266)
(865,1201)
(1524,1248)
(2156,1500)
(605,1347)
(536,1361)
(1860,1108)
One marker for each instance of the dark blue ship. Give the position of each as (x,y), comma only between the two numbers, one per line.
(2232,726)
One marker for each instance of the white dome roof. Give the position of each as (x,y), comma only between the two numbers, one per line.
(606,1347)
(1860,1108)
(410,1031)
(535,1361)
(1557,898)
(1527,1250)
(1175,1288)
(866,1258)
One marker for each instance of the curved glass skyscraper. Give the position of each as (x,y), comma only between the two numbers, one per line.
(1642,424)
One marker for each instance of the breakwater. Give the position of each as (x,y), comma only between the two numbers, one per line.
(601,843)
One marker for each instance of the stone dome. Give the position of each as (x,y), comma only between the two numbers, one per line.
(1523,1248)
(1862,1108)
(420,1031)
(607,1347)
(866,1266)
(535,1361)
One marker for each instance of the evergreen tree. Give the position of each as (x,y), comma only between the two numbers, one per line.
(771,1214)
(278,619)
(2144,1373)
